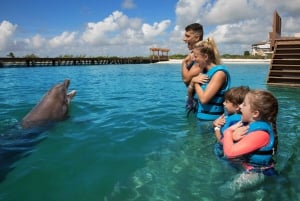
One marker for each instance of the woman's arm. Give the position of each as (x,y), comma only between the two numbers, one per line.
(214,85)
(249,143)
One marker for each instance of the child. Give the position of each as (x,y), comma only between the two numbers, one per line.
(256,142)
(191,102)
(232,100)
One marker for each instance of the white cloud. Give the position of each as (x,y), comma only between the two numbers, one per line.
(65,38)
(235,25)
(128,4)
(291,26)
(7,30)
(155,30)
(100,32)
(36,41)
(118,29)
(232,11)
(243,32)
(190,11)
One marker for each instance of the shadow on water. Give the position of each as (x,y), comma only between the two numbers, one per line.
(17,143)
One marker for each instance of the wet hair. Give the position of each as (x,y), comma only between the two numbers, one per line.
(196,28)
(236,95)
(267,106)
(209,47)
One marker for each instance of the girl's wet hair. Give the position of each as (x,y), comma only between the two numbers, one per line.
(209,47)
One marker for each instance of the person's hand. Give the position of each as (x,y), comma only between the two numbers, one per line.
(220,121)
(201,79)
(189,58)
(239,131)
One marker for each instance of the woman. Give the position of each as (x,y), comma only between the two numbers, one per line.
(211,86)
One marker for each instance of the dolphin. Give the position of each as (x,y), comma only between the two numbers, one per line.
(15,144)
(53,106)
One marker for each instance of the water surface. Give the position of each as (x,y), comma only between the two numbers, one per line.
(128,138)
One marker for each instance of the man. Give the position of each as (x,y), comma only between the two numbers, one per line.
(193,34)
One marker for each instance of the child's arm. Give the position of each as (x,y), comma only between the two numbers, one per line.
(249,143)
(217,124)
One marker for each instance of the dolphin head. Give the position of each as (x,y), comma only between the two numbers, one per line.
(53,107)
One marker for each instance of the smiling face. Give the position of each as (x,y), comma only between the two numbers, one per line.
(230,107)
(248,114)
(200,58)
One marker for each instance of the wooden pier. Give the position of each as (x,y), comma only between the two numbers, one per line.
(35,62)
(285,64)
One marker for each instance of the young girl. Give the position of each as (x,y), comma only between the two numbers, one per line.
(256,142)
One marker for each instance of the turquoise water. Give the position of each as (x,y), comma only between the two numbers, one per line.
(128,138)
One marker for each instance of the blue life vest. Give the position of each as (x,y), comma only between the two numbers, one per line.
(230,120)
(262,156)
(214,108)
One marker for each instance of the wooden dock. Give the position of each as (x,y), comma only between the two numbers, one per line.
(285,64)
(37,62)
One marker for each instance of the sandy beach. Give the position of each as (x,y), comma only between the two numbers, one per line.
(244,61)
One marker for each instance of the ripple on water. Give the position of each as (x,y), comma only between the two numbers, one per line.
(127,137)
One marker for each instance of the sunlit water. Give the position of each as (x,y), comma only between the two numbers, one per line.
(128,138)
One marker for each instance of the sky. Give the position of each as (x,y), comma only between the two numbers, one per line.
(128,28)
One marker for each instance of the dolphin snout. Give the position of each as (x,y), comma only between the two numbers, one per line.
(67,83)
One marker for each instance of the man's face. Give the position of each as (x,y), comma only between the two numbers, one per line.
(191,38)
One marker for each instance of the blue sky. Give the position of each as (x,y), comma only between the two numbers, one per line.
(131,27)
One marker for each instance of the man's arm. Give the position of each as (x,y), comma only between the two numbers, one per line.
(188,74)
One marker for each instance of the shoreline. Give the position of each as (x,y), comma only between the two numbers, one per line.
(232,61)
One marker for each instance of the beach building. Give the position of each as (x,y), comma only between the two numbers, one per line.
(261,49)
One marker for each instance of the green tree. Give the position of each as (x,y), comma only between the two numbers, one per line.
(246,53)
(31,56)
(11,55)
